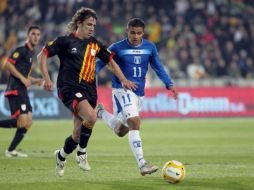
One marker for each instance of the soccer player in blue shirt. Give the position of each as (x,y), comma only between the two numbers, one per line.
(133,55)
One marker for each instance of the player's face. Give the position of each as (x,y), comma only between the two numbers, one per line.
(87,27)
(135,35)
(34,37)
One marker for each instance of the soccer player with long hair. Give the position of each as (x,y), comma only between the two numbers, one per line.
(76,82)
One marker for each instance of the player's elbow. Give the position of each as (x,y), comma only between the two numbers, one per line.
(110,67)
(42,59)
(7,66)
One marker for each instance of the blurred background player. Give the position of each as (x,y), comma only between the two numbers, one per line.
(19,65)
(133,56)
(76,82)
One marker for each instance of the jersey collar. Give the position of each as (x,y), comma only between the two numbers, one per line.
(28,47)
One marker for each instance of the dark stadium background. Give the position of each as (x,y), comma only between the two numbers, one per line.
(206,46)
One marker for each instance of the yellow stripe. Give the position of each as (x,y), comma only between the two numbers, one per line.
(92,72)
(88,63)
(91,76)
(84,62)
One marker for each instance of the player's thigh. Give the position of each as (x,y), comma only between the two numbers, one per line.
(22,120)
(29,119)
(80,102)
(87,113)
(134,123)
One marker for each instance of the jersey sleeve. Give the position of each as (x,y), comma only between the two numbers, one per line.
(100,63)
(159,69)
(15,55)
(105,54)
(54,47)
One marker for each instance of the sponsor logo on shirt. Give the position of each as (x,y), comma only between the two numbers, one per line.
(74,50)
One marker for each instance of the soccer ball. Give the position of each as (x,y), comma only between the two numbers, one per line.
(173,171)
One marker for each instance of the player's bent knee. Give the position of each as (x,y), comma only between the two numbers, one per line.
(22,123)
(134,123)
(89,123)
(121,131)
(93,118)
(121,134)
(29,124)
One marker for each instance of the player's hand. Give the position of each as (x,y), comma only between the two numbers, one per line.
(26,82)
(38,82)
(48,85)
(126,84)
(174,91)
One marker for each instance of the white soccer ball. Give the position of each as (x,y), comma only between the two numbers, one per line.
(173,171)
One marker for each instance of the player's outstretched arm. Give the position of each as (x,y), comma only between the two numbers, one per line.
(115,69)
(43,60)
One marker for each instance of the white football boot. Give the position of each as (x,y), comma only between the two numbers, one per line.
(83,162)
(59,165)
(15,153)
(147,168)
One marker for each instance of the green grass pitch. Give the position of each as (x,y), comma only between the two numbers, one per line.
(218,155)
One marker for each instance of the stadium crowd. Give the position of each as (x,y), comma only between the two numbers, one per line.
(196,39)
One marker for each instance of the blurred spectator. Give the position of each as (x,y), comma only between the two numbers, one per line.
(196,71)
(215,37)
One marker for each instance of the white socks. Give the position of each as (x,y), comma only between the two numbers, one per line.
(110,119)
(83,150)
(134,137)
(63,154)
(136,146)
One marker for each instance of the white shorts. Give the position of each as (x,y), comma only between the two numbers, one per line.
(126,104)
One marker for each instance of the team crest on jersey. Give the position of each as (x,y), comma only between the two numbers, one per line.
(23,107)
(78,95)
(137,59)
(50,43)
(15,55)
(93,52)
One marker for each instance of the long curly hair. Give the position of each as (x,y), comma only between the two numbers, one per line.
(82,14)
